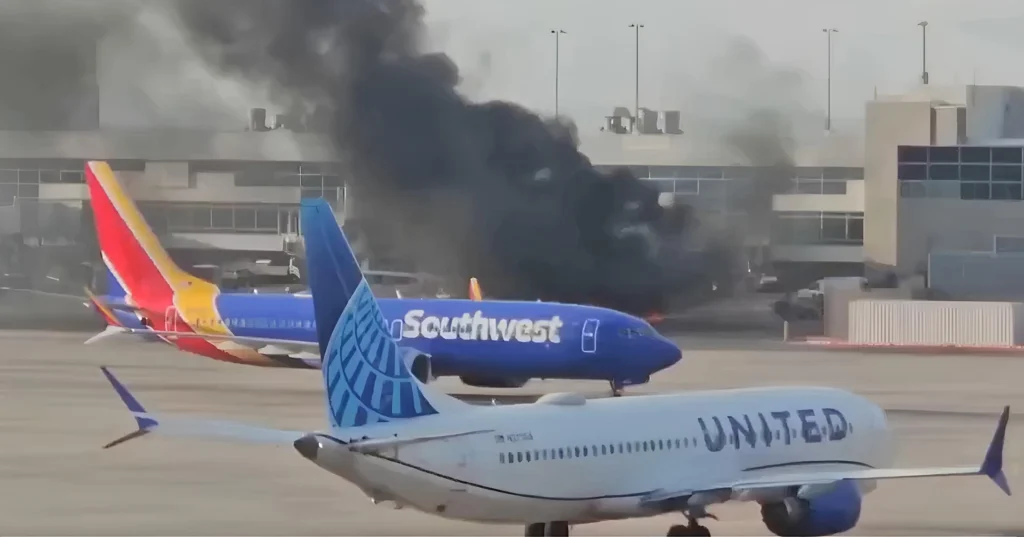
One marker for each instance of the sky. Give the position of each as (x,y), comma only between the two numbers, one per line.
(692,49)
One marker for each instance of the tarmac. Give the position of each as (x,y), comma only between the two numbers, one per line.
(57,411)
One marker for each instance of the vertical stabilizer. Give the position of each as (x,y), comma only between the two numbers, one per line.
(133,254)
(366,376)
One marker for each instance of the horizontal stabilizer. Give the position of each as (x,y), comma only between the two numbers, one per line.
(286,346)
(109,332)
(176,426)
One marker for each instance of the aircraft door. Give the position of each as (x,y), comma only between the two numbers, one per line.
(588,339)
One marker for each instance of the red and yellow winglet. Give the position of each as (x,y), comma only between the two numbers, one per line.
(474,290)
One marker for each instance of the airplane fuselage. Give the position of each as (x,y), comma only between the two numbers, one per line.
(597,460)
(478,339)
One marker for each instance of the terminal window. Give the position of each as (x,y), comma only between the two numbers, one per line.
(964,172)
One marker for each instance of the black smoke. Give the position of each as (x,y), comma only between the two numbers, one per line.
(470,189)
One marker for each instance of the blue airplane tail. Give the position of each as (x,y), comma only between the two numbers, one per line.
(366,376)
(114,288)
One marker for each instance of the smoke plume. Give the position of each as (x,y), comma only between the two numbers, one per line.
(485,189)
(48,58)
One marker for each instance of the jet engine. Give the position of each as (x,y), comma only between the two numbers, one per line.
(493,382)
(832,512)
(419,366)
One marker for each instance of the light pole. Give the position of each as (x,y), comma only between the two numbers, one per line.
(636,91)
(828,98)
(924,51)
(557,33)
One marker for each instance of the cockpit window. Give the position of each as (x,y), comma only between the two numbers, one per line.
(632,332)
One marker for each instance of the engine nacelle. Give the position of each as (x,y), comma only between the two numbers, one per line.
(832,512)
(493,382)
(419,366)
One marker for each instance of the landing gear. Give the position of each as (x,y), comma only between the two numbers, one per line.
(616,388)
(691,529)
(547,529)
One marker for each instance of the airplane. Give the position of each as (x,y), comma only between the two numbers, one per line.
(486,343)
(806,455)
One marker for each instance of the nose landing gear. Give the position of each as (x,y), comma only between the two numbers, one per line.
(616,388)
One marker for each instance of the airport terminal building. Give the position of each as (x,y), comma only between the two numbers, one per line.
(938,169)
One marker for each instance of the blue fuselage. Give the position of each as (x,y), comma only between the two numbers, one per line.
(478,339)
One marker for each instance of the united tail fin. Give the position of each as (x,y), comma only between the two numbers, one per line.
(138,264)
(366,375)
(474,290)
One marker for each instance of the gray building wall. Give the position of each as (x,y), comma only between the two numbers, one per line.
(887,125)
(936,225)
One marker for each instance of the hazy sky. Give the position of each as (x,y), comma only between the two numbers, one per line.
(687,49)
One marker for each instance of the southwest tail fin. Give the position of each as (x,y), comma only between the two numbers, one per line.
(474,290)
(366,375)
(137,262)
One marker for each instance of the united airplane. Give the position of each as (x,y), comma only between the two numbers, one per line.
(485,343)
(805,455)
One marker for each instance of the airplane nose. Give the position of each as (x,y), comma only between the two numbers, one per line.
(668,353)
(308,446)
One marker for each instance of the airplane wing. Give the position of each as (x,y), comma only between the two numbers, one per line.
(175,426)
(240,432)
(262,345)
(813,483)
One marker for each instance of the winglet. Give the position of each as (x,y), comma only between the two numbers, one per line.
(142,419)
(474,290)
(992,466)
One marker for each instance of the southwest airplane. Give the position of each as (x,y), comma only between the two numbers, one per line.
(805,454)
(485,343)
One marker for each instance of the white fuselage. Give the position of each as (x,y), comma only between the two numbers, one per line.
(595,461)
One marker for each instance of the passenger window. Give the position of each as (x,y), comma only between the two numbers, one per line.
(620,447)
(778,435)
(561,454)
(576,450)
(593,449)
(584,451)
(629,448)
(527,456)
(603,452)
(661,445)
(645,445)
(519,456)
(677,443)
(501,457)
